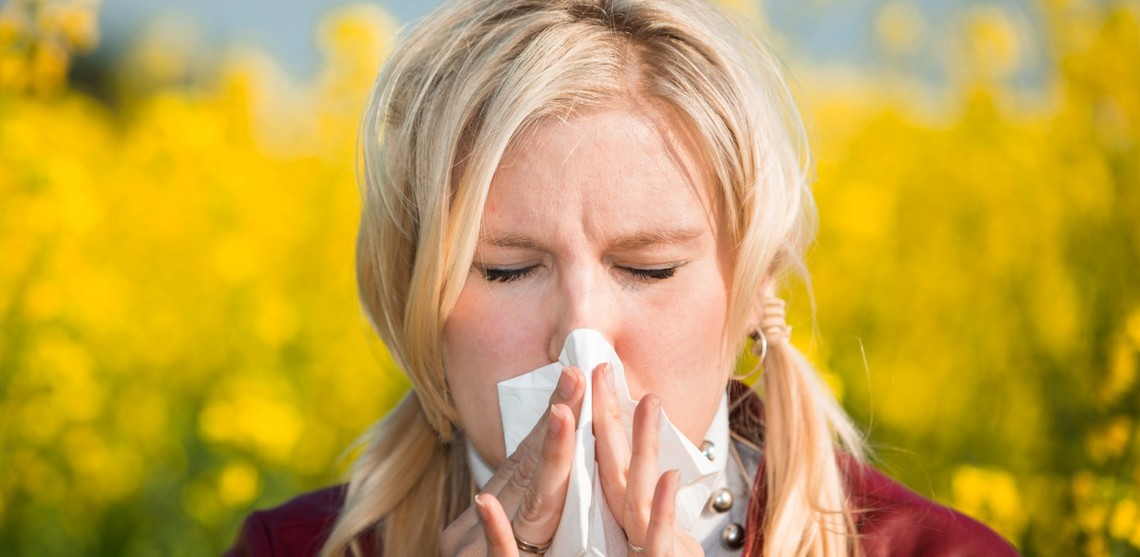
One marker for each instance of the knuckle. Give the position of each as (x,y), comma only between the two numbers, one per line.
(454,540)
(513,460)
(525,470)
(638,517)
(551,454)
(646,448)
(533,507)
(613,413)
(637,513)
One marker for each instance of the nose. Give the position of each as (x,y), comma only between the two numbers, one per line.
(583,300)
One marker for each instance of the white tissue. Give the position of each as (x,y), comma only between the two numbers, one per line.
(587,526)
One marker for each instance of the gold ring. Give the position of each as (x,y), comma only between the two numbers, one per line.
(531,548)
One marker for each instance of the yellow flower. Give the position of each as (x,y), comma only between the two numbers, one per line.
(993,41)
(14,71)
(252,415)
(900,27)
(991,496)
(1110,440)
(12,28)
(49,66)
(74,21)
(238,483)
(1132,328)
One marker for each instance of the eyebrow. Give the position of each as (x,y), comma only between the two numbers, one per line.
(656,237)
(640,239)
(519,241)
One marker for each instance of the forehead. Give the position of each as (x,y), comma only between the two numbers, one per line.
(619,168)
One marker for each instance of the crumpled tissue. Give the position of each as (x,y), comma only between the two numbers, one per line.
(587,526)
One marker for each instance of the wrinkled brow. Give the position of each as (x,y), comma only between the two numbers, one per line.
(640,239)
(519,241)
(656,237)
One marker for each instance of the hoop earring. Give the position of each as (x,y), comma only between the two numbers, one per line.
(758,340)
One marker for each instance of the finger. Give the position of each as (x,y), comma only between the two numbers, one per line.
(643,475)
(462,531)
(611,447)
(496,526)
(570,391)
(571,394)
(661,534)
(541,508)
(523,466)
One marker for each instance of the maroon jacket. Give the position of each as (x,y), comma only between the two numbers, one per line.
(893,521)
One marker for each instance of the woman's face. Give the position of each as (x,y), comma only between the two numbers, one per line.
(603,221)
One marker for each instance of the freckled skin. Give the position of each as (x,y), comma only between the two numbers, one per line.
(583,221)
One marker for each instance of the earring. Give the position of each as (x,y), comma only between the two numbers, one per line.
(776,327)
(759,349)
(759,339)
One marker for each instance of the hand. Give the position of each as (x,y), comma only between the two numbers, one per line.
(525,496)
(643,503)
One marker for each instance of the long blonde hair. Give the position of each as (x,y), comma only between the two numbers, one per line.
(456,91)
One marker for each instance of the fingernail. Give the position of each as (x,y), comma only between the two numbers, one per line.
(566,384)
(609,371)
(481,509)
(554,427)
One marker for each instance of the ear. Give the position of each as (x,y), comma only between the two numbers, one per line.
(756,309)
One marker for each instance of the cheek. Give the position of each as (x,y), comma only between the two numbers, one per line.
(694,308)
(486,340)
(678,353)
(489,338)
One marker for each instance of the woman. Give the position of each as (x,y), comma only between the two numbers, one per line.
(632,167)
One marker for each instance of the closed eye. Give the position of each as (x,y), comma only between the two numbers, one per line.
(491,274)
(652,274)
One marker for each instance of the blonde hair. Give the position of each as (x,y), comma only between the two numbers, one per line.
(455,93)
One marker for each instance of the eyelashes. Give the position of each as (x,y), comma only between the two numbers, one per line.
(494,274)
(651,274)
(506,275)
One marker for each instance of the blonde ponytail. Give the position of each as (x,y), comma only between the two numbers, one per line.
(806,508)
(406,481)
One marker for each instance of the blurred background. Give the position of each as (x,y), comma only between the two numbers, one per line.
(180,341)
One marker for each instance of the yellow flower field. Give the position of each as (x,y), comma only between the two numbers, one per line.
(180,340)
